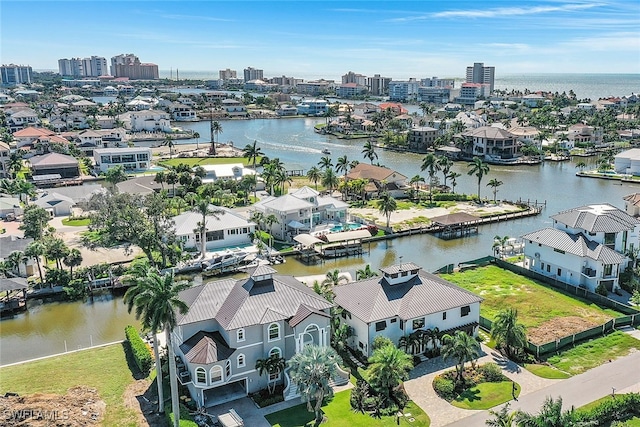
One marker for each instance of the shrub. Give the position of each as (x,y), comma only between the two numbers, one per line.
(451,197)
(491,372)
(76,289)
(602,290)
(620,408)
(139,349)
(56,277)
(186,420)
(444,388)
(380,341)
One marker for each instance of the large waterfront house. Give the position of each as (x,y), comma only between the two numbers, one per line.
(403,300)
(150,120)
(628,162)
(490,143)
(585,248)
(131,158)
(379,180)
(300,210)
(231,171)
(222,231)
(232,323)
(54,166)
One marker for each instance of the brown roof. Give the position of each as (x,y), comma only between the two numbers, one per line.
(53,160)
(303,312)
(633,199)
(376,173)
(32,132)
(206,347)
(453,219)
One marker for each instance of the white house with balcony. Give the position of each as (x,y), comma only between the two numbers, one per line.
(402,300)
(150,120)
(222,231)
(131,158)
(233,323)
(585,248)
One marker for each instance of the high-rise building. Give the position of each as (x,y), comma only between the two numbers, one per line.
(378,85)
(478,73)
(251,73)
(228,74)
(95,66)
(403,91)
(128,65)
(13,74)
(352,77)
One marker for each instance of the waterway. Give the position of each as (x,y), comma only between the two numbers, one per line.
(44,328)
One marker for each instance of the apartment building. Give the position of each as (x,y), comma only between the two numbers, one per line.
(13,74)
(478,73)
(129,65)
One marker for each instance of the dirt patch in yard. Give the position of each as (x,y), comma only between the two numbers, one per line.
(557,328)
(81,406)
(143,399)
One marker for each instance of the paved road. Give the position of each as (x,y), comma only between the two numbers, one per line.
(623,374)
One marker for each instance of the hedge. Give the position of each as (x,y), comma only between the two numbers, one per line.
(619,408)
(186,420)
(139,349)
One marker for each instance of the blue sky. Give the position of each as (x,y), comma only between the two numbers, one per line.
(312,39)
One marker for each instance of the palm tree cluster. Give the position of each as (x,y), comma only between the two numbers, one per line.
(509,335)
(462,348)
(421,339)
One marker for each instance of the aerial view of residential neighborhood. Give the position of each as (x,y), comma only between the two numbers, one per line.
(287,213)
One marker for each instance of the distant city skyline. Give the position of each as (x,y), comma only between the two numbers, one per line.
(311,40)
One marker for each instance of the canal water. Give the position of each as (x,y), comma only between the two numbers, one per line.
(45,328)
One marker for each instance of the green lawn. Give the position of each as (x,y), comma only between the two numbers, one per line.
(594,352)
(102,368)
(190,161)
(536,304)
(339,414)
(545,371)
(76,222)
(486,395)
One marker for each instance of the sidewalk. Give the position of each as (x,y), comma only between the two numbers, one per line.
(420,390)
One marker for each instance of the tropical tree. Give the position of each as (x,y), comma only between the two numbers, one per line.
(15,162)
(453,176)
(500,243)
(431,165)
(325,163)
(445,165)
(314,174)
(478,168)
(388,367)
(204,208)
(416,180)
(387,205)
(502,418)
(342,165)
(272,366)
(581,165)
(508,334)
(158,305)
(216,129)
(269,221)
(332,279)
(196,135)
(115,175)
(330,180)
(168,142)
(35,250)
(369,151)
(56,249)
(494,184)
(252,153)
(365,273)
(34,221)
(311,370)
(72,259)
(462,348)
(550,415)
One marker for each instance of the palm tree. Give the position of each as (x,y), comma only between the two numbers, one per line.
(387,205)
(332,279)
(508,333)
(311,370)
(157,303)
(196,135)
(314,174)
(416,180)
(269,220)
(445,165)
(365,273)
(389,366)
(494,183)
(258,218)
(330,180)
(15,162)
(115,175)
(252,152)
(500,243)
(342,165)
(35,250)
(172,178)
(325,163)
(462,348)
(369,151)
(204,208)
(502,418)
(453,176)
(478,168)
(160,178)
(168,142)
(550,415)
(272,365)
(216,129)
(72,259)
(431,165)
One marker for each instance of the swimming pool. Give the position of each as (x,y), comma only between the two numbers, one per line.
(345,227)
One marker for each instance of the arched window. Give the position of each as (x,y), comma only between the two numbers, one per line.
(227,369)
(201,376)
(274,332)
(216,374)
(241,361)
(240,335)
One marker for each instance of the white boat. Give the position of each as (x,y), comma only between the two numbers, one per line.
(226,260)
(325,151)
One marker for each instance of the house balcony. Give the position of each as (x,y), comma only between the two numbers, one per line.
(183,374)
(589,272)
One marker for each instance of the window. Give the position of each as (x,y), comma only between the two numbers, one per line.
(216,374)
(444,315)
(560,251)
(227,368)
(201,376)
(274,332)
(608,269)
(548,268)
(240,335)
(394,320)
(559,272)
(624,240)
(360,344)
(241,361)
(418,323)
(610,239)
(381,326)
(464,311)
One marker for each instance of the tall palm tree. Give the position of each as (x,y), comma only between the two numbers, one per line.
(311,370)
(72,259)
(35,250)
(462,348)
(369,151)
(314,174)
(416,180)
(453,176)
(157,304)
(252,152)
(325,163)
(330,180)
(478,168)
(269,221)
(15,162)
(508,333)
(204,208)
(196,135)
(272,365)
(342,165)
(258,218)
(445,165)
(387,205)
(430,164)
(494,183)
(216,129)
(168,142)
(389,366)
(332,279)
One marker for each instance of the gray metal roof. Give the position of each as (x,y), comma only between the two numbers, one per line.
(576,244)
(375,299)
(399,268)
(9,244)
(206,347)
(597,218)
(246,302)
